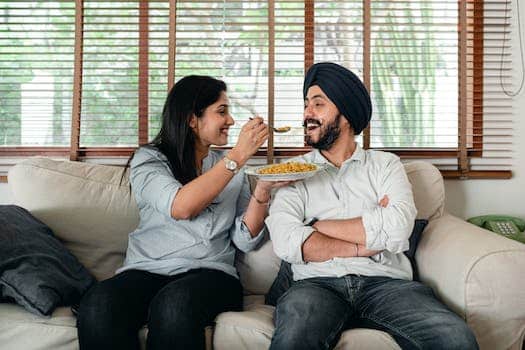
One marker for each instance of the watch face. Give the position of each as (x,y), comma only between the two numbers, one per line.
(230,164)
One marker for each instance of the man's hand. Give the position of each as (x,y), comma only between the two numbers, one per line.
(362,251)
(384,201)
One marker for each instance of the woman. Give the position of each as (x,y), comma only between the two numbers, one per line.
(178,274)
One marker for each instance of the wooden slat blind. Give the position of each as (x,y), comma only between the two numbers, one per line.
(77,80)
(143,114)
(36,73)
(271,80)
(490,112)
(110,74)
(294,45)
(433,67)
(159,44)
(228,40)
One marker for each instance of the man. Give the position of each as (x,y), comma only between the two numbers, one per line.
(345,245)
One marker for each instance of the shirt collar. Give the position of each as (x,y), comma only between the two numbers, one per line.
(358,155)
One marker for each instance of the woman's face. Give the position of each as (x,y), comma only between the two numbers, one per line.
(212,128)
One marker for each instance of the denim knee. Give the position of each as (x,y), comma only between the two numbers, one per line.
(95,312)
(454,334)
(459,337)
(308,317)
(175,321)
(172,309)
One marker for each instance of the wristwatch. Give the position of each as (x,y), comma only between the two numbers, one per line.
(231,165)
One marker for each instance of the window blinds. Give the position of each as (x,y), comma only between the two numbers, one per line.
(434,69)
(227,40)
(490,117)
(36,72)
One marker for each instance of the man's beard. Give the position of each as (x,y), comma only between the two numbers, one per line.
(327,139)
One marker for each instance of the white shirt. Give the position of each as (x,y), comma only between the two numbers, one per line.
(353,190)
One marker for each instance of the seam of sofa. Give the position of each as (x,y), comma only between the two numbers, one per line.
(473,265)
(68,174)
(10,324)
(232,325)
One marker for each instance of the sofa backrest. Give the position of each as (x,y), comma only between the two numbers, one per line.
(87,208)
(428,189)
(84,206)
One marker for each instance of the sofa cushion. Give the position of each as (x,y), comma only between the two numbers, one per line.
(428,189)
(21,330)
(479,275)
(258,268)
(84,204)
(36,270)
(253,329)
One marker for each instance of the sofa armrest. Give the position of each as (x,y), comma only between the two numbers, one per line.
(479,275)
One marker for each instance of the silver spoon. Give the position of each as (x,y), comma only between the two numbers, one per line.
(279,129)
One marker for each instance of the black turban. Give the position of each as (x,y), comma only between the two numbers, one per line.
(344,89)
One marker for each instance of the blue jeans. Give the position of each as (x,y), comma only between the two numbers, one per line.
(314,312)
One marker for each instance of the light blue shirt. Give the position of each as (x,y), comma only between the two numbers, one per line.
(164,245)
(353,190)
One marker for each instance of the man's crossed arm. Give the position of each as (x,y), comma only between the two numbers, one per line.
(338,238)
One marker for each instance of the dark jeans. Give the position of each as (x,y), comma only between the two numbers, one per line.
(175,308)
(314,312)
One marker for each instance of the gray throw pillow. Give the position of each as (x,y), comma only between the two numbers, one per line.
(36,270)
(415,236)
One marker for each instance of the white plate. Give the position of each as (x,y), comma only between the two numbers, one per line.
(253,170)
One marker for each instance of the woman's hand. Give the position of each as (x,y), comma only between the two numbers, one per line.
(252,136)
(263,189)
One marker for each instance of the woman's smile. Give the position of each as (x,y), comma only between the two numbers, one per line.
(224,131)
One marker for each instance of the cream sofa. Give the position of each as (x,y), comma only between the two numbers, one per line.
(480,275)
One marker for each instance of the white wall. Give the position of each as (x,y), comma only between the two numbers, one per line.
(466,198)
(5,194)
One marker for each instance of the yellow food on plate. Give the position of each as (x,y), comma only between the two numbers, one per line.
(286,168)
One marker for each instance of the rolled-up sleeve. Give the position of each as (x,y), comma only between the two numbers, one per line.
(285,224)
(389,228)
(239,232)
(152,181)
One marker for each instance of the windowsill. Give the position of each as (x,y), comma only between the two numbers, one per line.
(447,174)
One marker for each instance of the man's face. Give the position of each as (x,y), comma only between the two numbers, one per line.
(321,119)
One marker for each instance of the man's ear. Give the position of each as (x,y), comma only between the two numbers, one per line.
(343,122)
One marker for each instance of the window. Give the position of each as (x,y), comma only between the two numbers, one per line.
(36,73)
(89,78)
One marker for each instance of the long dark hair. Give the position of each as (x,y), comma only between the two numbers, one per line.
(190,96)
